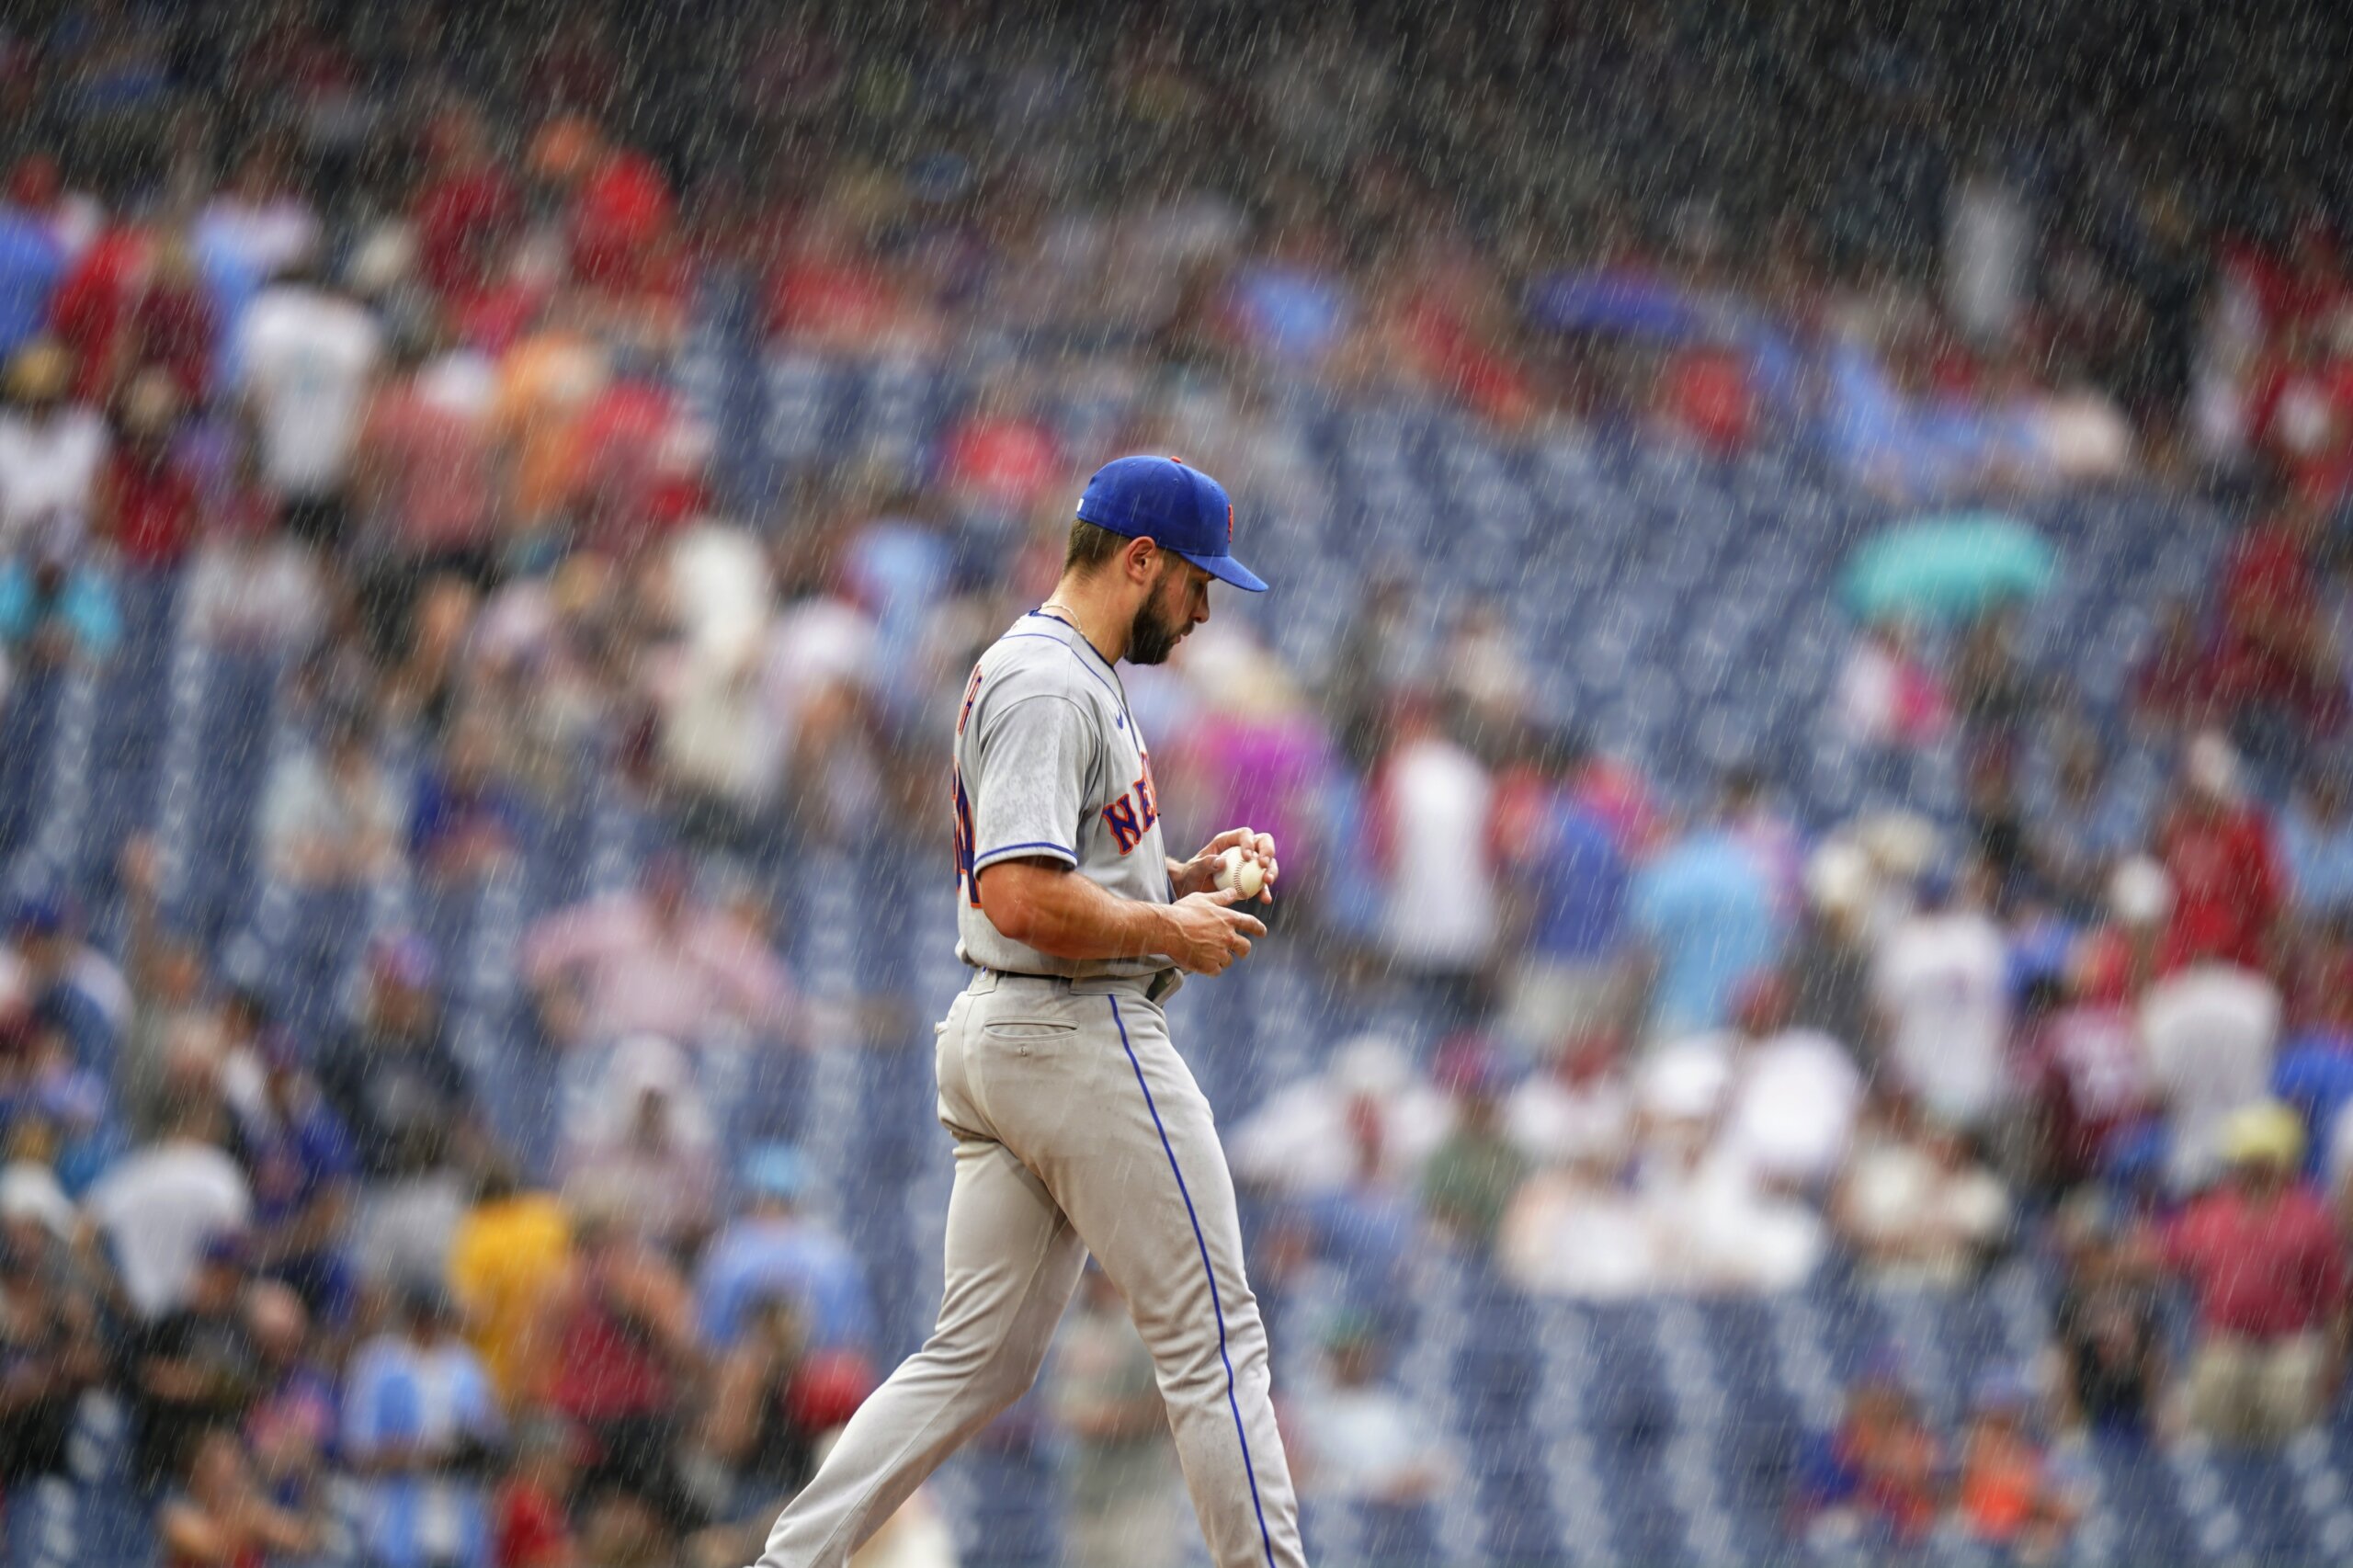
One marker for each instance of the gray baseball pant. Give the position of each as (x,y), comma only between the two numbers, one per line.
(1078,1129)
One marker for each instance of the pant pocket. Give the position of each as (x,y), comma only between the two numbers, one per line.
(1027,1037)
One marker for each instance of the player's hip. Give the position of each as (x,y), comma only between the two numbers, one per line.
(1037,1062)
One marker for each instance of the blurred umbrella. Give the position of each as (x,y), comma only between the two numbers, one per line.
(1947,568)
(1620,302)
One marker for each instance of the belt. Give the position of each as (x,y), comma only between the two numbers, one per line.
(1156,986)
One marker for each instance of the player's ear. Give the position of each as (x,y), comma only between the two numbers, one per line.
(1141,559)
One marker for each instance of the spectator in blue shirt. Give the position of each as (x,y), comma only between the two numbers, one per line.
(771,1246)
(421,1424)
(2314,1072)
(32,263)
(465,821)
(2317,842)
(1705,912)
(75,988)
(301,1161)
(1565,902)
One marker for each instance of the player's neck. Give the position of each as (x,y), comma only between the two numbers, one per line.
(1105,628)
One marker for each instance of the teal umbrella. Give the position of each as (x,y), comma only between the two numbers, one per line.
(1947,568)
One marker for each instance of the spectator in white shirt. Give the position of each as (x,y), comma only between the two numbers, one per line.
(250,590)
(161,1203)
(2211,1032)
(331,816)
(1299,1144)
(307,357)
(1917,1206)
(1715,1223)
(1576,1229)
(1941,984)
(1583,1109)
(50,451)
(1433,803)
(1793,1096)
(648,1127)
(720,759)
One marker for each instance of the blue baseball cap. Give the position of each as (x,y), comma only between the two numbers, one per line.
(1174,506)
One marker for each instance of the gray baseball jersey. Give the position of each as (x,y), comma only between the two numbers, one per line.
(1079,1129)
(1049,763)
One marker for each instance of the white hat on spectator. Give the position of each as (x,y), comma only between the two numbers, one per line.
(2140,892)
(29,1191)
(2212,767)
(1838,877)
(385,260)
(1370,1064)
(1898,843)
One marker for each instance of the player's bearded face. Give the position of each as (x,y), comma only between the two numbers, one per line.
(1161,620)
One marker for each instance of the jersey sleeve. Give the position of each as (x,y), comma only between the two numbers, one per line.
(1035,757)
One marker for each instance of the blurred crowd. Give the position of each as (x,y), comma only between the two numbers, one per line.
(351,340)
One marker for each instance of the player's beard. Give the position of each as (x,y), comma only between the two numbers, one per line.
(1156,629)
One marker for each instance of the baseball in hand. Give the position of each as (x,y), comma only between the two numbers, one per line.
(1238,873)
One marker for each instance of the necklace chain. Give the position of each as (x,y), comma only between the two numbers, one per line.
(1072,623)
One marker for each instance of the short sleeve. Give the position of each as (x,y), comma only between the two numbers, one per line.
(1034,758)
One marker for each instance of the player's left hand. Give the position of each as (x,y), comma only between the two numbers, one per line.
(1199,873)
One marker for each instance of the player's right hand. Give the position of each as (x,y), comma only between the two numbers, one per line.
(1211,933)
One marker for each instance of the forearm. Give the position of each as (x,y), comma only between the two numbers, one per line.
(1069,916)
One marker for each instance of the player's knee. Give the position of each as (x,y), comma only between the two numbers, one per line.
(1190,1364)
(1005,1380)
(994,1376)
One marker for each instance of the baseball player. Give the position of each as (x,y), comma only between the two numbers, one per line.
(1078,1128)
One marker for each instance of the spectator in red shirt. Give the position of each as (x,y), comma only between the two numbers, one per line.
(1702,394)
(2298,411)
(422,482)
(2216,848)
(2087,1071)
(172,323)
(2308,283)
(2172,687)
(530,1517)
(618,1356)
(1000,456)
(618,206)
(144,500)
(2274,666)
(92,309)
(829,292)
(642,458)
(465,212)
(2266,1266)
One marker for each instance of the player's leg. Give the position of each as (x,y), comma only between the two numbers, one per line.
(1124,1138)
(1012,1261)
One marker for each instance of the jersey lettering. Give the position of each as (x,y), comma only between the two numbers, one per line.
(971,695)
(968,882)
(1120,816)
(1147,797)
(1132,814)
